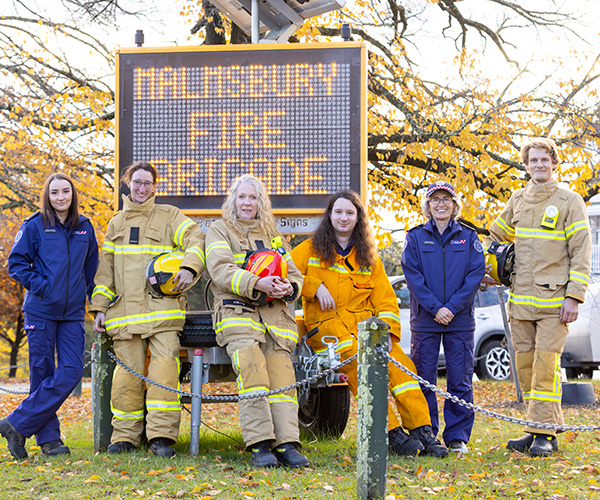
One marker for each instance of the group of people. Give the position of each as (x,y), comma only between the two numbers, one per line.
(341,280)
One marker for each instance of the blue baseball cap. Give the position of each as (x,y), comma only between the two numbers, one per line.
(443,185)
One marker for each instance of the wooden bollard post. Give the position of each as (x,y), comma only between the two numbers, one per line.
(372,432)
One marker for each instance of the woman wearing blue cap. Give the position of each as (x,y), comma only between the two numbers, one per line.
(443,263)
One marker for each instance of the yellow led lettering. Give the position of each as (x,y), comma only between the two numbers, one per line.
(235,79)
(224,121)
(327,79)
(308,177)
(195,132)
(139,75)
(210,181)
(184,89)
(225,172)
(302,77)
(164,82)
(267,131)
(279,168)
(258,80)
(242,129)
(286,91)
(212,83)
(267,176)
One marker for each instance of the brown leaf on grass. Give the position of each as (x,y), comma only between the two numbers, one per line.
(347,460)
(419,471)
(92,479)
(570,436)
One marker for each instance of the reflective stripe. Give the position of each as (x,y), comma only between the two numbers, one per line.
(137,249)
(338,348)
(282,398)
(235,281)
(163,405)
(108,246)
(217,244)
(253,390)
(576,226)
(239,258)
(285,333)
(389,315)
(582,278)
(135,319)
(102,290)
(543,396)
(529,300)
(198,251)
(314,262)
(505,227)
(238,321)
(178,238)
(524,232)
(406,386)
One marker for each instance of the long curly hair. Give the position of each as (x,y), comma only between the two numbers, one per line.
(323,241)
(266,221)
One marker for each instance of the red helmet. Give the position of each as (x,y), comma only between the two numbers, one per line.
(265,263)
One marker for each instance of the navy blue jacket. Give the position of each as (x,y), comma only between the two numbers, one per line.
(442,270)
(56,266)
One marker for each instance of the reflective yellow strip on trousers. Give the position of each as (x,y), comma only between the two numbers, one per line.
(154,405)
(407,386)
(529,300)
(124,415)
(282,398)
(339,347)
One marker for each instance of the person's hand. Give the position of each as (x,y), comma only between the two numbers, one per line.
(443,316)
(325,298)
(182,280)
(99,322)
(274,286)
(488,280)
(569,310)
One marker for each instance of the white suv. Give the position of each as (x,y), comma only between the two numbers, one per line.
(581,355)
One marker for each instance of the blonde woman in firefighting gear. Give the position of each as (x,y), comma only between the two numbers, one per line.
(549,226)
(140,321)
(345,283)
(259,336)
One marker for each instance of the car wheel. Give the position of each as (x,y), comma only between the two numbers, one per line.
(494,361)
(326,411)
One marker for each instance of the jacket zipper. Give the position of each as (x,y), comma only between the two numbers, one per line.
(68,273)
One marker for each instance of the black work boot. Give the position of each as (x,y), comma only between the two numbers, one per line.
(521,444)
(289,456)
(432,446)
(543,445)
(16,441)
(262,456)
(400,443)
(120,447)
(54,448)
(161,447)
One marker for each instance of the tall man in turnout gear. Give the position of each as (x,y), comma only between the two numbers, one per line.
(549,226)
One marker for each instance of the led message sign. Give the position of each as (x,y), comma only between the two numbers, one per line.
(295,117)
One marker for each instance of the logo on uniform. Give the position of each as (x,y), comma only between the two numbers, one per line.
(478,246)
(80,232)
(458,242)
(19,235)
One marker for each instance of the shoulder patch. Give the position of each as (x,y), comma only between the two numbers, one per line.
(478,246)
(18,236)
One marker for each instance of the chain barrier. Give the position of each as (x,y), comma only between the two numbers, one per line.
(233,398)
(483,411)
(11,391)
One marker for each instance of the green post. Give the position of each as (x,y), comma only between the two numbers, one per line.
(371,432)
(102,372)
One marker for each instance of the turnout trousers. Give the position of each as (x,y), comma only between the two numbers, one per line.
(50,382)
(163,409)
(458,349)
(538,345)
(406,391)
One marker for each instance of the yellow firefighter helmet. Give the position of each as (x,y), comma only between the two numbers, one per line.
(499,261)
(161,271)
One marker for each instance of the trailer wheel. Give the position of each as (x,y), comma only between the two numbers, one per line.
(198,330)
(326,411)
(494,361)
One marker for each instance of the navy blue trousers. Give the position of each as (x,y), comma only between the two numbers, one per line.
(458,348)
(50,382)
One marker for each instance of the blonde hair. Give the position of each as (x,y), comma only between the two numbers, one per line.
(542,143)
(264,215)
(456,207)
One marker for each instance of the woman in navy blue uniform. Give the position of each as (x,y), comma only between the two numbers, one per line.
(54,256)
(443,264)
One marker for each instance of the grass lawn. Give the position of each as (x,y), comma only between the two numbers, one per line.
(222,469)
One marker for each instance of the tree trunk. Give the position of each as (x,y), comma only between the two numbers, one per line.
(16,345)
(215,33)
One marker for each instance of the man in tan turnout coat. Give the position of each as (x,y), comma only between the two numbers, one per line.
(549,226)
